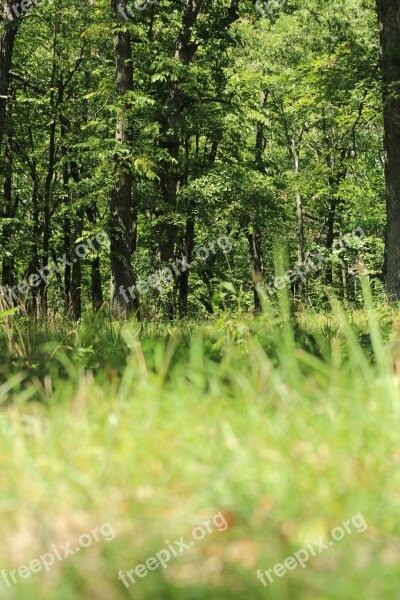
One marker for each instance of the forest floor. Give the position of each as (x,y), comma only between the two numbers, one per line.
(273,431)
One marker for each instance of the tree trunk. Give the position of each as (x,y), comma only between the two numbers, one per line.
(50,171)
(184,276)
(254,236)
(7,39)
(64,127)
(170,142)
(68,270)
(389,23)
(47,213)
(95,275)
(32,306)
(8,273)
(122,301)
(299,210)
(254,239)
(76,276)
(188,240)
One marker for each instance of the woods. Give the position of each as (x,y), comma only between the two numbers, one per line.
(265,124)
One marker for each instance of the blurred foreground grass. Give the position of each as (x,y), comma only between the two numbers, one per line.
(287,428)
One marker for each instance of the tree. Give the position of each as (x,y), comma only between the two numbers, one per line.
(121,301)
(389,25)
(7,39)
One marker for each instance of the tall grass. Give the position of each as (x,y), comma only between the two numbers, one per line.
(288,425)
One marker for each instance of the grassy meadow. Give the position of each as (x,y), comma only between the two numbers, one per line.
(287,426)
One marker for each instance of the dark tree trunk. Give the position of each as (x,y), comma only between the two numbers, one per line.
(170,142)
(64,127)
(184,276)
(213,152)
(188,241)
(76,296)
(254,236)
(7,39)
(50,173)
(73,228)
(47,215)
(330,233)
(389,23)
(95,275)
(34,266)
(300,217)
(299,206)
(76,276)
(122,302)
(254,239)
(68,270)
(96,288)
(8,273)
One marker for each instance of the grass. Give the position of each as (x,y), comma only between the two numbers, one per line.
(288,428)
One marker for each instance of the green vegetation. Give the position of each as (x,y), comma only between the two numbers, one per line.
(156,428)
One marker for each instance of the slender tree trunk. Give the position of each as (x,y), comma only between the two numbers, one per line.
(330,232)
(344,282)
(95,275)
(122,302)
(50,172)
(64,128)
(76,287)
(254,236)
(34,266)
(47,214)
(76,275)
(96,287)
(184,276)
(188,240)
(299,208)
(299,211)
(170,142)
(389,24)
(254,239)
(68,270)
(213,152)
(7,38)
(8,272)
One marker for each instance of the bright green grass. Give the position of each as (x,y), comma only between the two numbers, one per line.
(157,428)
